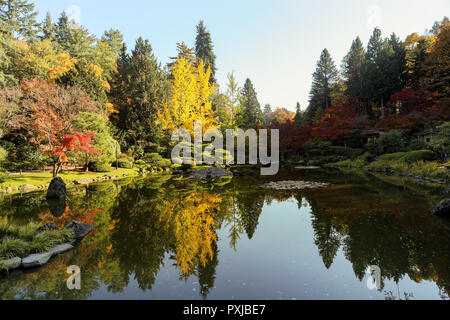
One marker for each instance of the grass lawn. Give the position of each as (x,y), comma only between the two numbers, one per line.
(41,179)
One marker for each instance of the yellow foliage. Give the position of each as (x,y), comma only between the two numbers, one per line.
(65,64)
(192,220)
(190,98)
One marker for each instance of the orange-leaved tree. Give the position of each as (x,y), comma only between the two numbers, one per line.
(45,115)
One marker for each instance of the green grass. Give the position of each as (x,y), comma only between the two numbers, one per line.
(42,179)
(20,241)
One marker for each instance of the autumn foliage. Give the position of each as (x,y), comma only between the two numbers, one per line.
(45,118)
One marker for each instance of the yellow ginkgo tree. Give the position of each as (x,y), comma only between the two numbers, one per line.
(190,98)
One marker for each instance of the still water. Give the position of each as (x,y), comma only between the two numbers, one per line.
(172,238)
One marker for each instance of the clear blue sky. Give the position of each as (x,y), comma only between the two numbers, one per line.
(275,43)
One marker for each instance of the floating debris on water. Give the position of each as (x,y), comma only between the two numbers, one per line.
(294,185)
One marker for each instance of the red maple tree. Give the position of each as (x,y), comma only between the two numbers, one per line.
(46,115)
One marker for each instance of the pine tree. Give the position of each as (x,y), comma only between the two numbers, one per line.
(324,77)
(204,49)
(266,112)
(184,52)
(252,109)
(138,92)
(352,66)
(373,77)
(384,71)
(115,40)
(18,17)
(76,41)
(299,119)
(48,28)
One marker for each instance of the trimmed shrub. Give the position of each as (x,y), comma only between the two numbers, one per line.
(410,157)
(164,163)
(4,174)
(152,158)
(100,167)
(391,142)
(125,163)
(420,155)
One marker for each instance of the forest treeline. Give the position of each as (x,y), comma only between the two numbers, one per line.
(67,96)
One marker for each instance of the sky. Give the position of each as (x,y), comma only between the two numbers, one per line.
(275,43)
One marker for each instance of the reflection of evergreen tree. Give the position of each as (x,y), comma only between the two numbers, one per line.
(140,241)
(251,208)
(372,240)
(207,273)
(327,239)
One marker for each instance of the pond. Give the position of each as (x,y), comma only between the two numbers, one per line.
(163,237)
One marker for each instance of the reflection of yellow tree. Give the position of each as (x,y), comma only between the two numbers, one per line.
(191,221)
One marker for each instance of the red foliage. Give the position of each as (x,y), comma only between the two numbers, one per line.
(335,123)
(412,109)
(47,113)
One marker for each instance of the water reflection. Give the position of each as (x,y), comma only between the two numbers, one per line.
(141,224)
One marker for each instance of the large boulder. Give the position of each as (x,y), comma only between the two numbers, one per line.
(443,208)
(79,229)
(57,189)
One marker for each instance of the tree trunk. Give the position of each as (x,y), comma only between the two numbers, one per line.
(55,170)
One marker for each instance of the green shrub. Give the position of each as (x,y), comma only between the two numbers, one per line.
(152,158)
(10,248)
(140,164)
(392,156)
(420,155)
(100,167)
(164,163)
(410,157)
(4,174)
(391,142)
(125,163)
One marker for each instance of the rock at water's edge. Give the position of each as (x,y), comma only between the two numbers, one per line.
(57,189)
(11,264)
(443,208)
(79,229)
(40,259)
(36,260)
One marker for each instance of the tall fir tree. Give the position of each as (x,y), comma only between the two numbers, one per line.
(74,39)
(48,28)
(204,49)
(18,17)
(384,71)
(299,119)
(184,52)
(353,66)
(324,77)
(266,113)
(252,109)
(138,92)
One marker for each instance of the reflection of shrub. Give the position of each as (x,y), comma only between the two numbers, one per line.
(100,167)
(124,163)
